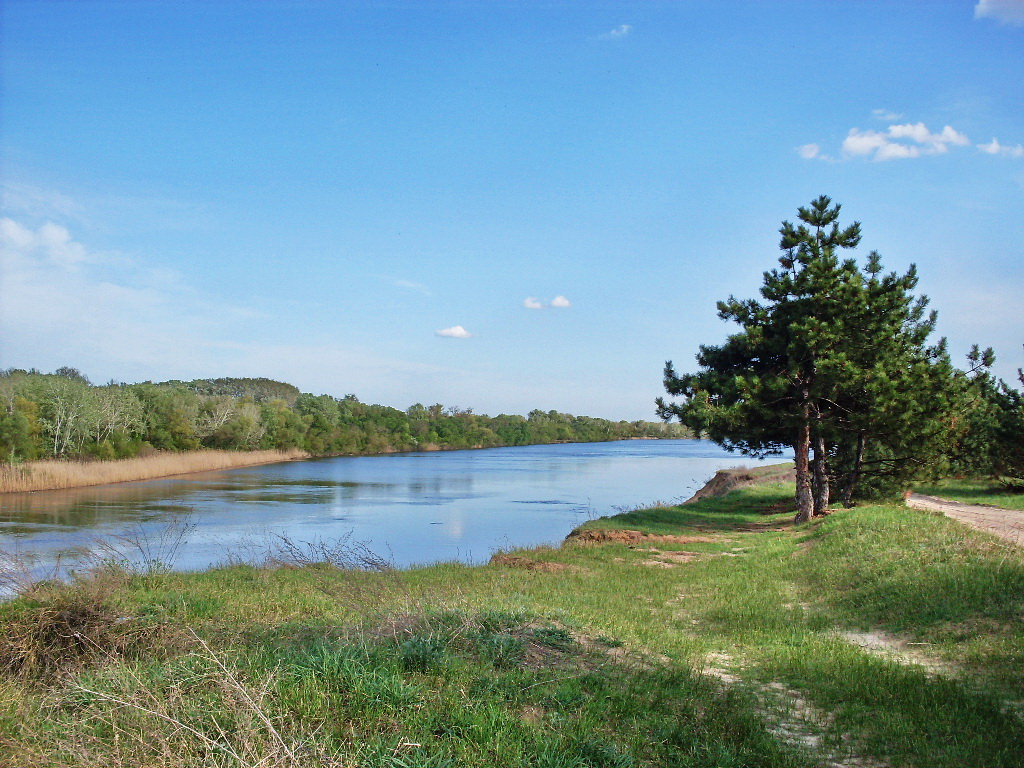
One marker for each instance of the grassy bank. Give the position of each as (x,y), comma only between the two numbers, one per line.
(58,474)
(712,634)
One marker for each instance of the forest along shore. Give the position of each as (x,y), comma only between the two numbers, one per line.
(58,474)
(220,423)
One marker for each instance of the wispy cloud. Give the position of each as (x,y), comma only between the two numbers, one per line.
(995,148)
(409,285)
(455,332)
(1003,11)
(100,307)
(812,152)
(618,33)
(27,200)
(112,316)
(50,243)
(559,302)
(885,115)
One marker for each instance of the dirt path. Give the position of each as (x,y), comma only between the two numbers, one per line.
(1007,524)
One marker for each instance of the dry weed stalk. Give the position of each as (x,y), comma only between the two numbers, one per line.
(191,739)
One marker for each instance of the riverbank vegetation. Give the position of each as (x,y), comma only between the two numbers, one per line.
(63,416)
(678,636)
(836,361)
(55,474)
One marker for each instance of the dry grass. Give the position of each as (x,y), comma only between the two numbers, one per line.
(58,474)
(61,628)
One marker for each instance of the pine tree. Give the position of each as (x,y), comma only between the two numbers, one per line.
(831,361)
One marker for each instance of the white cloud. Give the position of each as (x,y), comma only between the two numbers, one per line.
(619,32)
(813,152)
(1003,11)
(62,303)
(558,302)
(901,141)
(893,151)
(919,132)
(412,286)
(38,203)
(455,332)
(50,242)
(995,148)
(885,115)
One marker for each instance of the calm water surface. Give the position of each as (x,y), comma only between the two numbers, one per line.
(408,508)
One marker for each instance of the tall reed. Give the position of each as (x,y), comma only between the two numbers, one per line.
(56,474)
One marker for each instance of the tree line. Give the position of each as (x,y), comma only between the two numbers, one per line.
(63,415)
(836,361)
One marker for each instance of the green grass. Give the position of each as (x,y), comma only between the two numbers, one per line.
(976,491)
(717,642)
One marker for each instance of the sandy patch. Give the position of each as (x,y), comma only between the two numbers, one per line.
(897,649)
(527,564)
(1007,524)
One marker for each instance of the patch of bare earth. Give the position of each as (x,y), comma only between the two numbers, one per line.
(898,649)
(633,538)
(662,559)
(671,558)
(795,720)
(726,480)
(904,651)
(1007,524)
(529,564)
(790,717)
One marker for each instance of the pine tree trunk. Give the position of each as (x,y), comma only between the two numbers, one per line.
(804,497)
(821,486)
(855,474)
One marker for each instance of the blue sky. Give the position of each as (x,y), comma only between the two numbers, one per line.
(502,206)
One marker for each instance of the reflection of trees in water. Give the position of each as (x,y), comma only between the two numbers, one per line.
(415,504)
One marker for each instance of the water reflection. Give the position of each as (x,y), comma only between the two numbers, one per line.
(414,508)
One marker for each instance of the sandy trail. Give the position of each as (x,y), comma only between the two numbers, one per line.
(1007,524)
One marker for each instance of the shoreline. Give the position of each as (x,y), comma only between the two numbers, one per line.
(60,475)
(63,474)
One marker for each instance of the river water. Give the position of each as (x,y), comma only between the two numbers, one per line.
(413,508)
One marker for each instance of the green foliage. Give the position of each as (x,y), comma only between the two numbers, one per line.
(20,430)
(258,390)
(833,358)
(421,654)
(62,415)
(991,443)
(501,649)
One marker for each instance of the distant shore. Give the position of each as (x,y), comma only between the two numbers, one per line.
(56,474)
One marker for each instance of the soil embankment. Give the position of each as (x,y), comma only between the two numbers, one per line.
(726,480)
(55,475)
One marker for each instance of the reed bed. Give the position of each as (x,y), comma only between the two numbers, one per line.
(57,474)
